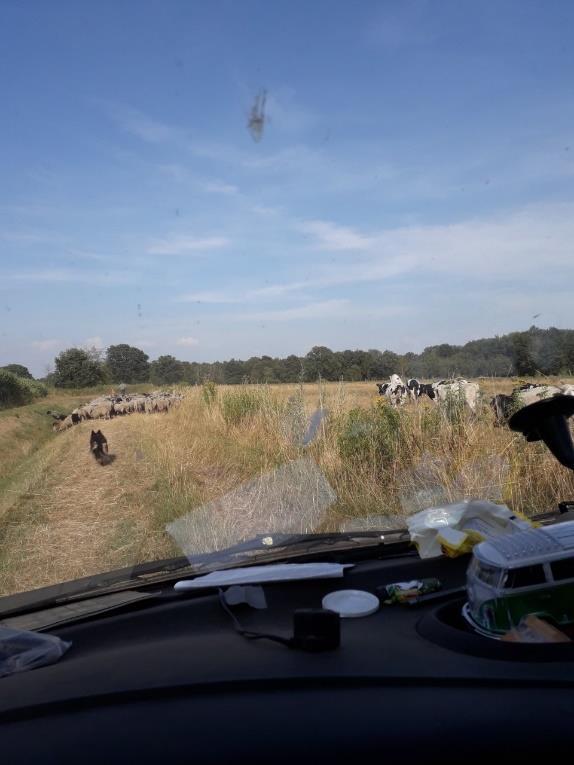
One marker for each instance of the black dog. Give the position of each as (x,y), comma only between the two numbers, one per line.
(99,447)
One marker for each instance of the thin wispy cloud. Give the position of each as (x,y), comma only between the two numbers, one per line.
(183,173)
(324,309)
(29,210)
(276,290)
(508,244)
(325,277)
(239,295)
(94,342)
(293,159)
(88,255)
(179,244)
(333,237)
(219,187)
(286,114)
(388,170)
(401,23)
(145,344)
(142,125)
(174,171)
(151,130)
(30,237)
(187,342)
(514,245)
(63,275)
(46,345)
(211,297)
(317,310)
(266,211)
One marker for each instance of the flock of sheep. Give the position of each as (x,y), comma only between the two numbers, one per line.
(106,407)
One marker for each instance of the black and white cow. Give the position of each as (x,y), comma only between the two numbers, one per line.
(395,390)
(413,386)
(469,391)
(427,389)
(532,392)
(418,389)
(504,406)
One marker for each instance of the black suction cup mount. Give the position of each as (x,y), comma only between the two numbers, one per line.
(547,421)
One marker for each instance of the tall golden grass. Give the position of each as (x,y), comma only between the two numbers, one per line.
(65,516)
(380,461)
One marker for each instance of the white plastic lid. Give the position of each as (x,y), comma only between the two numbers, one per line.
(351,603)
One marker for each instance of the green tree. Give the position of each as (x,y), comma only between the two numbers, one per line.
(567,352)
(127,364)
(322,362)
(353,373)
(445,350)
(522,358)
(264,370)
(19,370)
(547,350)
(354,365)
(166,370)
(76,368)
(13,390)
(389,363)
(259,370)
(292,369)
(377,364)
(234,371)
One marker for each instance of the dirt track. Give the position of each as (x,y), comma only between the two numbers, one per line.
(75,517)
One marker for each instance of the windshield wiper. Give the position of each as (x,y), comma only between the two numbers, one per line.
(93,586)
(267,546)
(261,549)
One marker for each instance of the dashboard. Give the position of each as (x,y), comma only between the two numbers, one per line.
(169,679)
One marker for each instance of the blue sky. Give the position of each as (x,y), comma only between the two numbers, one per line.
(414,183)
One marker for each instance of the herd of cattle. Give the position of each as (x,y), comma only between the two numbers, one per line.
(106,407)
(398,393)
(503,405)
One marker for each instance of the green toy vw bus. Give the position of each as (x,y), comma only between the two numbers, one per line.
(529,572)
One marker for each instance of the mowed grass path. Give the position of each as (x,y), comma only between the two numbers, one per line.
(64,516)
(70,517)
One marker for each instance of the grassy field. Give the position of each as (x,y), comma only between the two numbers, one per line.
(63,516)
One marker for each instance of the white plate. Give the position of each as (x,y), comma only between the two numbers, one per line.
(351,603)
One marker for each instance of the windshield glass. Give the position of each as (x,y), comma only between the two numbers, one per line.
(275,268)
(488,574)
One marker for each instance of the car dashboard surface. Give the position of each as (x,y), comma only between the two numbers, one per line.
(170,680)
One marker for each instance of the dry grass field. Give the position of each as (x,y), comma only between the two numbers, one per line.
(63,516)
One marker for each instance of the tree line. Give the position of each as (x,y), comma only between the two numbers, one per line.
(536,351)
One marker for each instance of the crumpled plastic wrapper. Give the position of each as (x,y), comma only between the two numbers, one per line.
(454,529)
(21,650)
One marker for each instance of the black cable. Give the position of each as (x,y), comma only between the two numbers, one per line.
(248,633)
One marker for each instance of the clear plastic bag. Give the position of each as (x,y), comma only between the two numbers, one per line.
(21,650)
(455,529)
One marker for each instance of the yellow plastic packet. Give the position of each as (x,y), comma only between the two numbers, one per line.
(454,543)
